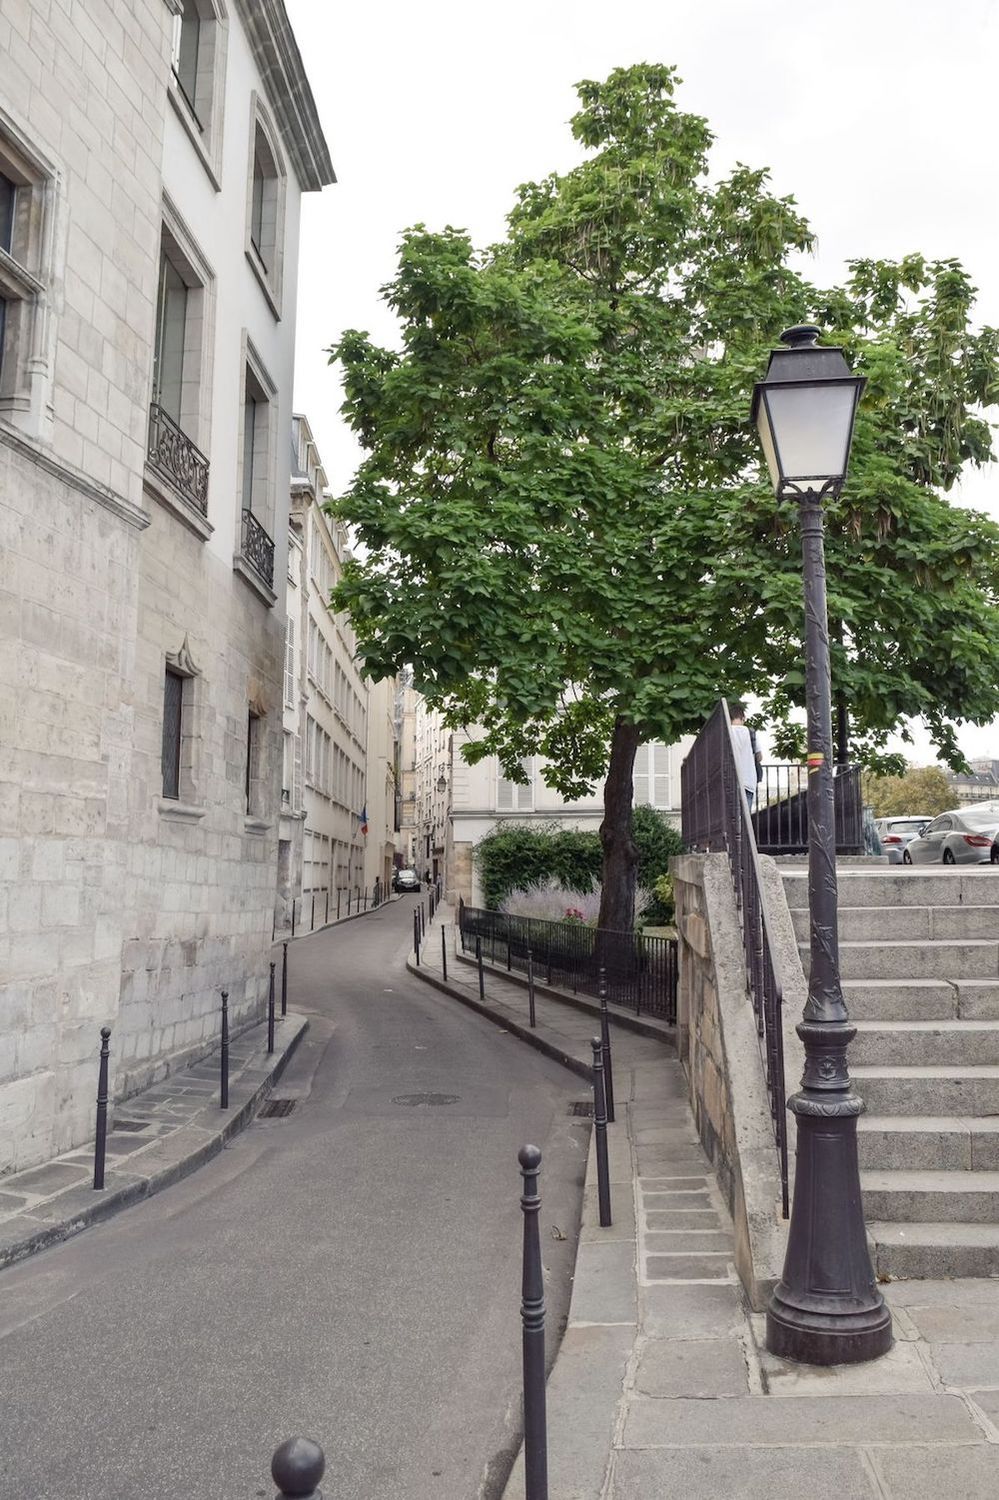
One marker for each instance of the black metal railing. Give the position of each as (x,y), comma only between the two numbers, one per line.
(258,549)
(716,817)
(780,816)
(172,454)
(640,971)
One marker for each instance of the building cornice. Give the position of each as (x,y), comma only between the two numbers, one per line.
(283,73)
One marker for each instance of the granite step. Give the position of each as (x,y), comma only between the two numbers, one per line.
(925,1043)
(898,885)
(950,1091)
(906,999)
(934,1143)
(861,924)
(933,1250)
(941,1197)
(971,959)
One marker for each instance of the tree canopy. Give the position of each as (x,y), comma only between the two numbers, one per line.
(921,789)
(564,521)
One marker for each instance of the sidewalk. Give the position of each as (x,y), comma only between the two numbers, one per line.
(662,1386)
(154,1138)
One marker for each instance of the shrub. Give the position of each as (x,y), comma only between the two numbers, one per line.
(551,902)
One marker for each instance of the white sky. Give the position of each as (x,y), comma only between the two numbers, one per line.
(878,115)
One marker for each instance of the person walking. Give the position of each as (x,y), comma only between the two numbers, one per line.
(747,757)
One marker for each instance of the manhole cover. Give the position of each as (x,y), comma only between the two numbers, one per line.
(276,1109)
(433,1099)
(582,1107)
(130,1125)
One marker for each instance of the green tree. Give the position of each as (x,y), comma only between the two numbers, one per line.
(922,789)
(563,521)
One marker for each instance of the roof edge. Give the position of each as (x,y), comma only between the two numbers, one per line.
(280,62)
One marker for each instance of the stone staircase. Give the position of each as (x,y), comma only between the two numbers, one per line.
(919,957)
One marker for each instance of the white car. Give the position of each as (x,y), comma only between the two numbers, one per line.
(895,833)
(961,837)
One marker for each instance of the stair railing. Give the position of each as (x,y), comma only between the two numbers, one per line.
(716,817)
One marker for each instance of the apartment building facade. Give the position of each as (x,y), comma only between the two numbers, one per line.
(152,164)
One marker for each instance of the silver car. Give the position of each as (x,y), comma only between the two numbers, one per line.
(895,833)
(961,837)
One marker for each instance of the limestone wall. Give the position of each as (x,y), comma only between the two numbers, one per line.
(718,1045)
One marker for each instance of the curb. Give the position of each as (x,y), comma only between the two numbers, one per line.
(337,922)
(524,1033)
(112,1201)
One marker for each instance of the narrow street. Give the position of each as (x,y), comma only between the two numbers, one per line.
(349,1272)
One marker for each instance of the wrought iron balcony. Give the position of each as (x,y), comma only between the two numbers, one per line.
(258,549)
(178,460)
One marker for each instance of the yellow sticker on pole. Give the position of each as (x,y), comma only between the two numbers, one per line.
(815,760)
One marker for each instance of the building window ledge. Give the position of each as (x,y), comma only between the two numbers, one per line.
(260,272)
(172,500)
(249,575)
(180,812)
(257,826)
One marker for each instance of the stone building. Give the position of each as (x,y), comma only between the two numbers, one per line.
(152,162)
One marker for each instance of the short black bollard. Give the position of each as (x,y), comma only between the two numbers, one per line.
(605,1037)
(284,980)
(365,898)
(444,950)
(296,1469)
(600,1127)
(293,916)
(327,906)
(530,989)
(509,955)
(100,1144)
(532,1312)
(270,1011)
(416,937)
(478,960)
(338,904)
(224,1054)
(313,927)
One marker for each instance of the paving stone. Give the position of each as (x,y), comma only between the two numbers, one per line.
(743,1419)
(660,1135)
(741,1474)
(957,1325)
(926,1473)
(622,1210)
(657,1199)
(899,1372)
(683,1218)
(604,1289)
(966,1365)
(989,1402)
(51,1178)
(689,1267)
(689,1312)
(679,1240)
(689,1367)
(972,1291)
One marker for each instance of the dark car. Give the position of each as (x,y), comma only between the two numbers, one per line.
(405,880)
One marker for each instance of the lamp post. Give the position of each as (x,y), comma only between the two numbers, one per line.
(827,1308)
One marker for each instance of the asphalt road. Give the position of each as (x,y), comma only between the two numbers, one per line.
(351,1272)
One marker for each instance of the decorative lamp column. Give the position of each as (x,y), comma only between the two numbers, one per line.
(826,1309)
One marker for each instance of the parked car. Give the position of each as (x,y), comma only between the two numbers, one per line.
(895,833)
(405,880)
(962,837)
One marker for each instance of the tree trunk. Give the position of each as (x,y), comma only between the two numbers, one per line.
(617,902)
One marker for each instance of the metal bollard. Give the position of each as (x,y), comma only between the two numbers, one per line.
(605,1036)
(313,927)
(444,950)
(284,980)
(365,898)
(530,988)
(338,904)
(478,960)
(327,906)
(532,1312)
(100,1144)
(416,937)
(509,956)
(296,1469)
(600,1126)
(224,1054)
(293,916)
(270,1011)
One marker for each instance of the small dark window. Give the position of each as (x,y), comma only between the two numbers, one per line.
(173,714)
(252,751)
(8,193)
(185,66)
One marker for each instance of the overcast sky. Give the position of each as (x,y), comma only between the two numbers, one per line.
(878,115)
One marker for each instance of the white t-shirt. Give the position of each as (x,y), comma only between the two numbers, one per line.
(745,761)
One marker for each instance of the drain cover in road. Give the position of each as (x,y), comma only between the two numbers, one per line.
(432,1099)
(130,1125)
(277,1108)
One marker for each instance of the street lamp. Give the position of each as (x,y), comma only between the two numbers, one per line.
(826,1309)
(442,783)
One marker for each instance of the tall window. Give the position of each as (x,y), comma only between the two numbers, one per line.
(289,664)
(250,441)
(652,778)
(186,47)
(171,329)
(263,201)
(252,760)
(266,191)
(511,796)
(173,724)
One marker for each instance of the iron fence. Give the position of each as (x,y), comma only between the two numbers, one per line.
(716,816)
(171,452)
(780,817)
(640,971)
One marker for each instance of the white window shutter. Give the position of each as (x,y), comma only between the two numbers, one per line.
(660,770)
